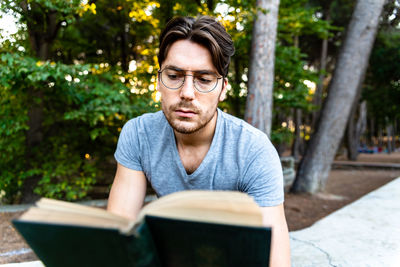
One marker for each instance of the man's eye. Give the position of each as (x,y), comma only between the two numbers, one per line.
(172,76)
(204,79)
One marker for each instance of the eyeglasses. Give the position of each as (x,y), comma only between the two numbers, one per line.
(173,79)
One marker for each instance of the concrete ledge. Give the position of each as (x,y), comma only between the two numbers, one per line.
(364,233)
(338,165)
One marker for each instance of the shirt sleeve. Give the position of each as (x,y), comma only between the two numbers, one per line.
(128,147)
(263,178)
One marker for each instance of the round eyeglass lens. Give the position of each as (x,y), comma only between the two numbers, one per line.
(172,79)
(205,82)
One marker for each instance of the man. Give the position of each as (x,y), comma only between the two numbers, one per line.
(191,144)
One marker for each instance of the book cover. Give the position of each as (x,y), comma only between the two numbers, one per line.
(182,243)
(182,229)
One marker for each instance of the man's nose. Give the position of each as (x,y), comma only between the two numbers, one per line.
(188,91)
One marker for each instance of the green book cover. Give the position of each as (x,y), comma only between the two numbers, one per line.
(158,242)
(72,246)
(182,243)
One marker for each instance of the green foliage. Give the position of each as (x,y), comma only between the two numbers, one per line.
(28,9)
(64,173)
(290,90)
(281,135)
(298,19)
(84,108)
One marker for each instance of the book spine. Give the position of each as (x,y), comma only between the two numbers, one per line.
(141,249)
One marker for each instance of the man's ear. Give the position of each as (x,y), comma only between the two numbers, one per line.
(222,95)
(158,82)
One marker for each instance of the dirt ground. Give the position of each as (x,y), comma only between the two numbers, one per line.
(343,187)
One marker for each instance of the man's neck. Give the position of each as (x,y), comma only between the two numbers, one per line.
(202,137)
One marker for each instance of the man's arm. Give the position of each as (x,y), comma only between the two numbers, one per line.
(127,192)
(274,217)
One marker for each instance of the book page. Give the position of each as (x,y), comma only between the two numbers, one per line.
(207,206)
(41,215)
(62,212)
(52,204)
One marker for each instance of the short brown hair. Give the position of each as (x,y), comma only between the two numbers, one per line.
(206,31)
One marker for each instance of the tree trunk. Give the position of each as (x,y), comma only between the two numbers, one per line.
(261,80)
(389,138)
(361,125)
(394,135)
(355,128)
(315,166)
(380,138)
(371,133)
(124,46)
(352,137)
(297,140)
(210,5)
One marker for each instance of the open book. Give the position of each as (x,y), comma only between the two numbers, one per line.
(189,228)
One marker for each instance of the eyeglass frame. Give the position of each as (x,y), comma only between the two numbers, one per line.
(184,79)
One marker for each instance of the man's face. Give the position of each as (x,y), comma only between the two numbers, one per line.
(186,109)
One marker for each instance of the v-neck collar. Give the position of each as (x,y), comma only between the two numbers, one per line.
(207,157)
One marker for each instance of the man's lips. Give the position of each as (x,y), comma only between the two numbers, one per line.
(187,113)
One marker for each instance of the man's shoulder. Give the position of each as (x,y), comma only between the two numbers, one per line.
(241,126)
(245,137)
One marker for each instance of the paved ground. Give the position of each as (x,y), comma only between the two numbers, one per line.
(364,233)
(344,187)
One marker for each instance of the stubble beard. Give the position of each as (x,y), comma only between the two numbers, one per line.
(203,119)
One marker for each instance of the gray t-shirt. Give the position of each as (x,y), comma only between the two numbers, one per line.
(240,158)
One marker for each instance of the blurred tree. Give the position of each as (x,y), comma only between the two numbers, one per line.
(353,59)
(262,61)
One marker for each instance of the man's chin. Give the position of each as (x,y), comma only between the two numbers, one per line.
(185,128)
